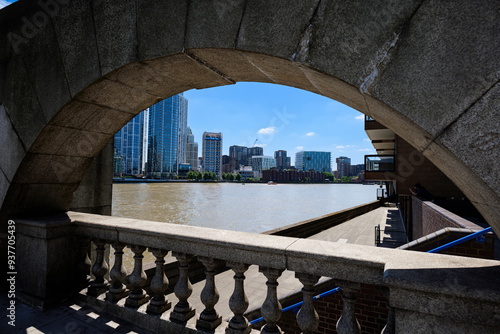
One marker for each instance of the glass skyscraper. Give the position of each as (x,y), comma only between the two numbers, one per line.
(192,150)
(319,161)
(167,140)
(129,144)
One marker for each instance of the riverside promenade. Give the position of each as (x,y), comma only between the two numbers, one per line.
(75,317)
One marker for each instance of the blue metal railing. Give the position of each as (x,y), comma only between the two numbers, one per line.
(459,241)
(295,307)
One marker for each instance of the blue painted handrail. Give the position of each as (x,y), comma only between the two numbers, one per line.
(295,307)
(459,241)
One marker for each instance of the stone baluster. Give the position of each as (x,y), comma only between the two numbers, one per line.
(307,318)
(271,308)
(347,323)
(137,279)
(238,303)
(182,310)
(99,269)
(159,284)
(84,264)
(390,327)
(118,275)
(209,318)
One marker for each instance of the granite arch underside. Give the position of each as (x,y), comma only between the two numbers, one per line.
(425,69)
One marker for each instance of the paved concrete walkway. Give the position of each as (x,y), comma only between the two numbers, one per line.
(73,316)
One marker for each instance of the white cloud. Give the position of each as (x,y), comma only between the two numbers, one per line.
(367,139)
(260,145)
(345,146)
(299,148)
(267,131)
(3,3)
(310,133)
(360,117)
(365,150)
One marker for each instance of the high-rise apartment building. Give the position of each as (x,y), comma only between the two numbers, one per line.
(282,161)
(356,169)
(167,124)
(129,144)
(343,166)
(212,153)
(238,155)
(192,150)
(318,161)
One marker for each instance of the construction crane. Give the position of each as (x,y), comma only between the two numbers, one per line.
(255,142)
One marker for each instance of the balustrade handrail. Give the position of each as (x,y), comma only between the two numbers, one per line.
(408,274)
(357,263)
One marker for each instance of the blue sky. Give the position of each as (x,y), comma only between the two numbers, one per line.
(280,118)
(4,3)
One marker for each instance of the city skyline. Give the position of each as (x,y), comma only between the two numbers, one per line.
(279,118)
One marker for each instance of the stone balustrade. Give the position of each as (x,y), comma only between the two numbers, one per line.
(426,292)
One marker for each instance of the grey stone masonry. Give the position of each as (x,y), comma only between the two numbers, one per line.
(451,293)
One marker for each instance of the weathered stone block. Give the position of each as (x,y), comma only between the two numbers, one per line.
(160,27)
(116,96)
(188,72)
(44,168)
(349,39)
(115,24)
(65,141)
(91,117)
(475,137)
(74,28)
(11,147)
(275,27)
(147,79)
(46,70)
(20,97)
(44,279)
(39,198)
(213,23)
(444,61)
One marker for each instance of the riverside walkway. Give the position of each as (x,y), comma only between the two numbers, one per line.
(72,316)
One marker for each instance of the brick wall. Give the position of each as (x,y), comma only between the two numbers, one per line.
(371,311)
(428,217)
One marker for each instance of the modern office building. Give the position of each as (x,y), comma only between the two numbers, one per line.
(254,151)
(262,162)
(167,124)
(212,153)
(318,161)
(129,145)
(183,132)
(282,161)
(192,150)
(238,155)
(343,166)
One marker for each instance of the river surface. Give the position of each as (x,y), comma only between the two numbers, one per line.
(251,207)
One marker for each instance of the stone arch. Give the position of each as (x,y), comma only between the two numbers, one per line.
(73,73)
